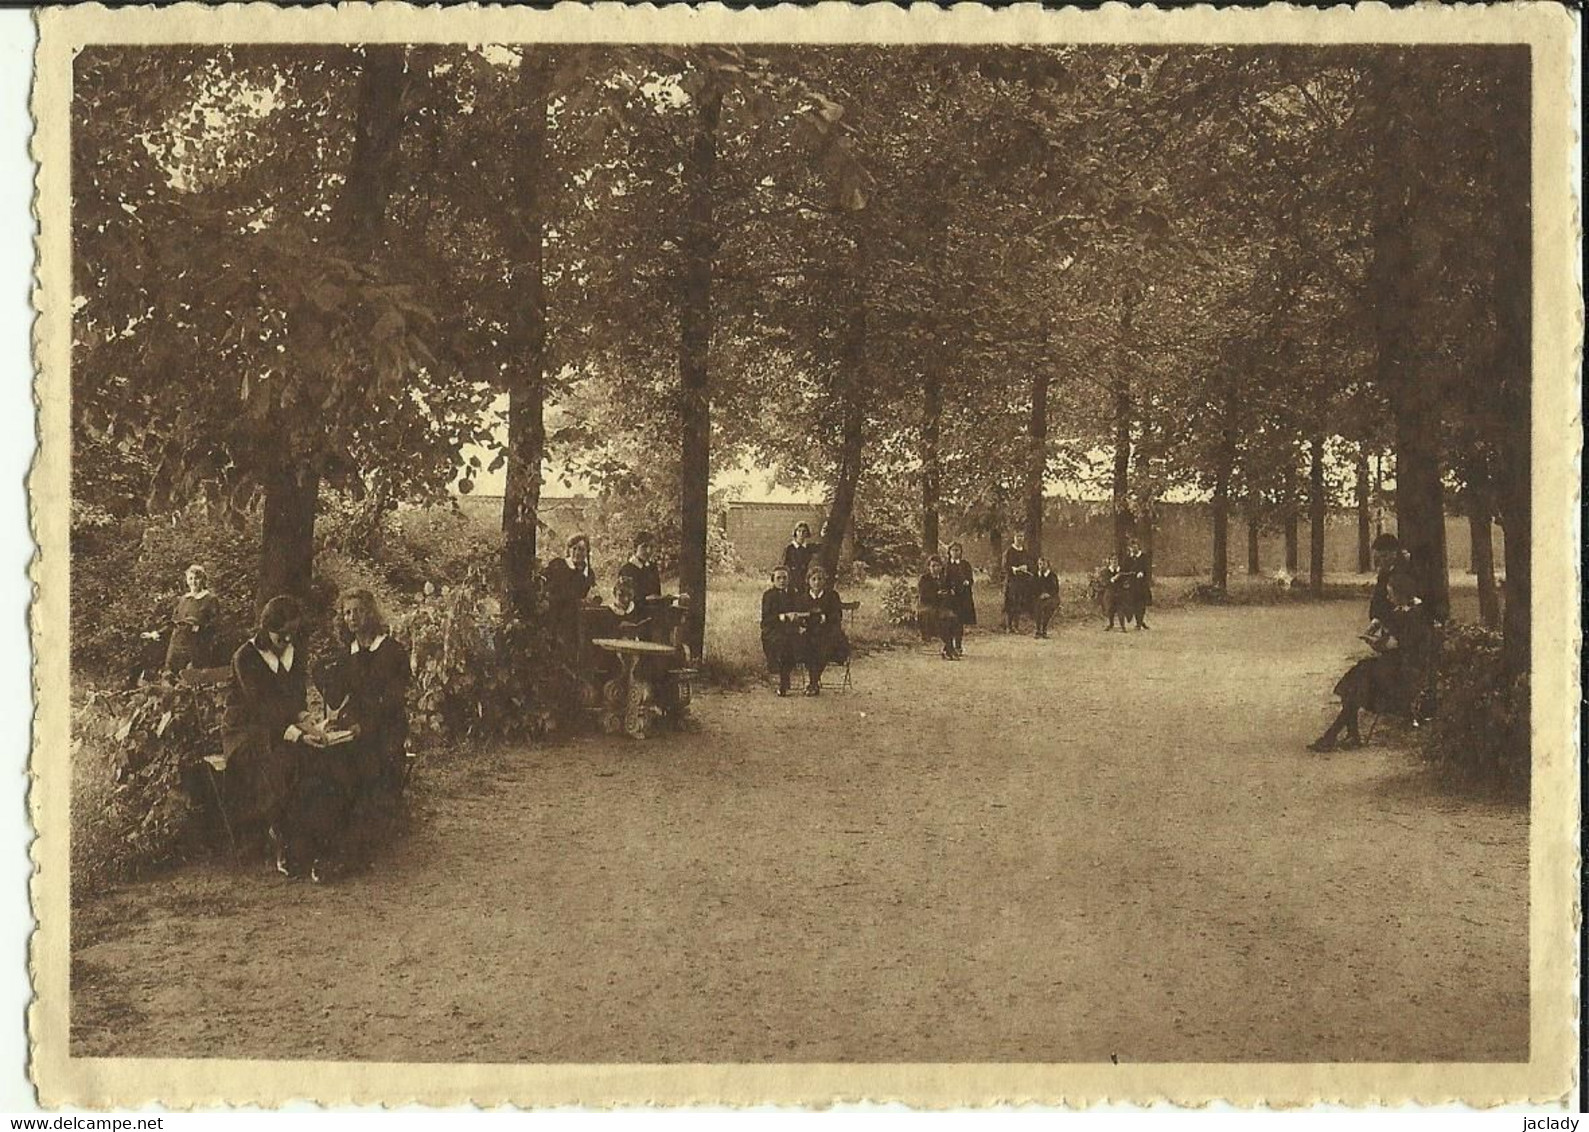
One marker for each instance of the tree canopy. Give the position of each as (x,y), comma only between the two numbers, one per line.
(957,274)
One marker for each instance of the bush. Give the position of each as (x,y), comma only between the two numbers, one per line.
(478,674)
(440,545)
(137,797)
(886,539)
(408,547)
(721,557)
(899,603)
(1480,729)
(127,575)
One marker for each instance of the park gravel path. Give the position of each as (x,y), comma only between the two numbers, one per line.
(1066,850)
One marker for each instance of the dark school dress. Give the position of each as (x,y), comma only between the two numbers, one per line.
(960,579)
(780,640)
(264,700)
(935,609)
(1390,681)
(798,559)
(1380,605)
(825,640)
(373,683)
(1139,590)
(567,587)
(647,580)
(1017,585)
(194,624)
(1045,588)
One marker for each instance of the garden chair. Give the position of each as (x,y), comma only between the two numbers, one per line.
(847,683)
(1422,708)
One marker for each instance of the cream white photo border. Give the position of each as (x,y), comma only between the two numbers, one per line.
(97,1083)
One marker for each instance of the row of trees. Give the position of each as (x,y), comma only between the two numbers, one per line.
(972,270)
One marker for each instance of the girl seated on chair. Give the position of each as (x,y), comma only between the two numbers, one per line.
(935,609)
(266,729)
(1390,680)
(783,611)
(824,638)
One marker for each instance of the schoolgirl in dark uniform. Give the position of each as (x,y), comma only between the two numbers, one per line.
(641,569)
(1391,679)
(799,555)
(569,581)
(1045,596)
(366,695)
(1018,565)
(782,612)
(266,727)
(824,637)
(1138,588)
(935,609)
(194,624)
(957,571)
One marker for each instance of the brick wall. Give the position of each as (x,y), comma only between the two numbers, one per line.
(1076,536)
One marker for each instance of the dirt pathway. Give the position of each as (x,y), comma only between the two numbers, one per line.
(1054,851)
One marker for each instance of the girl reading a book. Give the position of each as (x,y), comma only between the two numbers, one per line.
(267,726)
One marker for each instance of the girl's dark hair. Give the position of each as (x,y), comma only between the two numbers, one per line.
(644,538)
(931,558)
(1387,541)
(279,612)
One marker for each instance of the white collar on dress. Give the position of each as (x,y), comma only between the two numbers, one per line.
(374,645)
(274,661)
(205,592)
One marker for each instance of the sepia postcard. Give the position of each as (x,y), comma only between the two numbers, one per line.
(667,555)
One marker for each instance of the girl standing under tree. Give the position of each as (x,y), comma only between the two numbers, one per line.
(194,624)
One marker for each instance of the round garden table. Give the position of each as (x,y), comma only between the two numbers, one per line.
(629,701)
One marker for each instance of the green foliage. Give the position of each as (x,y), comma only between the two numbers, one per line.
(137,798)
(1480,731)
(885,538)
(397,552)
(899,602)
(721,557)
(477,674)
(127,575)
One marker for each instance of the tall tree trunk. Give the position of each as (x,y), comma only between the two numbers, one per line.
(1365,542)
(1221,578)
(1253,566)
(996,545)
(1037,455)
(1223,471)
(1293,539)
(1398,280)
(1122,466)
(1379,494)
(695,341)
(1122,423)
(931,472)
(1318,512)
(286,562)
(1420,495)
(1513,363)
(291,494)
(933,374)
(1480,527)
(841,513)
(523,233)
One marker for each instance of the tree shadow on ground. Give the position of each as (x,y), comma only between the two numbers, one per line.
(1417,781)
